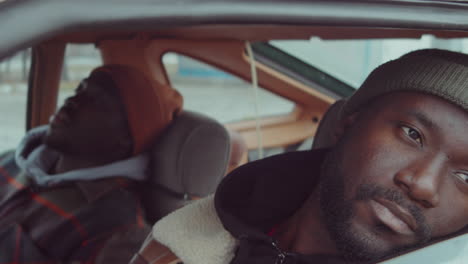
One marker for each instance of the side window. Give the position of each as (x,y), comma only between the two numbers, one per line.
(218,94)
(14,73)
(79,61)
(451,251)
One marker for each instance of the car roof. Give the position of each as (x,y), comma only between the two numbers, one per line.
(24,23)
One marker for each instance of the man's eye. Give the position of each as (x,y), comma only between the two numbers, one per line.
(462,176)
(413,134)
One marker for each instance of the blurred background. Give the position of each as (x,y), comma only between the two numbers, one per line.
(205,88)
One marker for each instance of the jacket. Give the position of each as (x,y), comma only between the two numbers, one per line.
(233,226)
(94,216)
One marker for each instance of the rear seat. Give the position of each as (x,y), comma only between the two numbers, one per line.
(188,162)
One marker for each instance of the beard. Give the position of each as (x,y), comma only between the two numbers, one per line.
(338,213)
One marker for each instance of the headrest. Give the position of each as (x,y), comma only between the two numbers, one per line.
(192,155)
(324,137)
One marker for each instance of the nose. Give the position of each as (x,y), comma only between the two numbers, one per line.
(73,101)
(421,179)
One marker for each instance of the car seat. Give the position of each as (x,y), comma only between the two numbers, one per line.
(239,150)
(325,135)
(188,161)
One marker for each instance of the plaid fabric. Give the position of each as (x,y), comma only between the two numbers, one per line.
(69,223)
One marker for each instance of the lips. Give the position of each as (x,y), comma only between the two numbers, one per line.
(61,118)
(394,216)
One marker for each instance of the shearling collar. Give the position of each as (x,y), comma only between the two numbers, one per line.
(195,234)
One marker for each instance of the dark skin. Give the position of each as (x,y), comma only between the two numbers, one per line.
(90,129)
(401,168)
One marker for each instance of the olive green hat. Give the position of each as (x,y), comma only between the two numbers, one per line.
(432,71)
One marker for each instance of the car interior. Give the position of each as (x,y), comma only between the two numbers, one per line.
(192,156)
(179,174)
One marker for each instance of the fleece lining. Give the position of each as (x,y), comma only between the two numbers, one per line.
(196,235)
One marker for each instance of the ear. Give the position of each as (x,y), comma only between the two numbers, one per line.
(343,126)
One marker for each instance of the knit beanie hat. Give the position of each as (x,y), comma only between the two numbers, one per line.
(432,71)
(149,106)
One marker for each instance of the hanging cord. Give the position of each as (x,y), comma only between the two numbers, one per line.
(253,70)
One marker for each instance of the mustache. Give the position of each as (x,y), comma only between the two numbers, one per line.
(372,191)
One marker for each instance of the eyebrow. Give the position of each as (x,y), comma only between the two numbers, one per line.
(422,118)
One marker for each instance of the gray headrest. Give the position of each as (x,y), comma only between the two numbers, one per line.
(324,137)
(191,156)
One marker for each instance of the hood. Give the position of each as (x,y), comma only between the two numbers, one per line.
(36,159)
(272,189)
(257,197)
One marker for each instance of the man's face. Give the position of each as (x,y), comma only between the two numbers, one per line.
(398,176)
(92,122)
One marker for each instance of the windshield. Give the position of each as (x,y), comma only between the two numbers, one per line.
(351,61)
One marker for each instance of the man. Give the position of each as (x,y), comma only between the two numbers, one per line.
(396,178)
(70,193)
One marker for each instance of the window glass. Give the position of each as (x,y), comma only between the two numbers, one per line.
(351,61)
(14,73)
(218,94)
(79,61)
(452,251)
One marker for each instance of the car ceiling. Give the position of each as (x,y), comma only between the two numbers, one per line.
(24,23)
